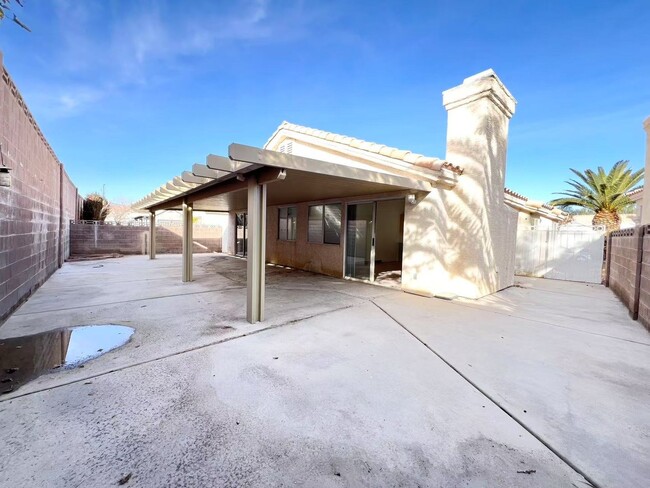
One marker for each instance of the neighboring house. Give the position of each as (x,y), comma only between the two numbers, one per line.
(350,208)
(638,196)
(535,214)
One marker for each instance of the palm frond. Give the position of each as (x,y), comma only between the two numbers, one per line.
(600,190)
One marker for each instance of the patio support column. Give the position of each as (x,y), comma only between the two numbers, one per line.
(187,241)
(256,251)
(152,235)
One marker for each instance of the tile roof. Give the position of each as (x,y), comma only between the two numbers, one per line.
(372,147)
(517,200)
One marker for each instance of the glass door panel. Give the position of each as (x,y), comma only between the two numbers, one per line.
(359,252)
(241,235)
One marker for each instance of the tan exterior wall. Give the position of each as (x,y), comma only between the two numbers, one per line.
(327,259)
(425,245)
(462,241)
(457,241)
(89,239)
(36,208)
(228,238)
(320,258)
(483,229)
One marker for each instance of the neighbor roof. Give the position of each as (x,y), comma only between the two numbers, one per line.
(521,202)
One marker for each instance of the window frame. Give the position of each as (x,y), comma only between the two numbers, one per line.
(291,233)
(322,223)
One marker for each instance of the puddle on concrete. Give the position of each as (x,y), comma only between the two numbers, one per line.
(25,358)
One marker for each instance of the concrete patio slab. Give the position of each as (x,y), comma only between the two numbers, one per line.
(336,400)
(568,367)
(581,306)
(356,397)
(169,316)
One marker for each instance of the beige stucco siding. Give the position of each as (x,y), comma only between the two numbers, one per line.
(320,258)
(425,245)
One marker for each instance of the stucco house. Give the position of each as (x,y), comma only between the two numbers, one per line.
(535,214)
(294,232)
(341,206)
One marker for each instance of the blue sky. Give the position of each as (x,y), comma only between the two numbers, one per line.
(131,93)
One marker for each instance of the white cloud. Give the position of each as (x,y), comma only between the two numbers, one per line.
(102,52)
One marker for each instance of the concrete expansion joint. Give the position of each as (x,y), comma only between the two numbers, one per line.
(535,321)
(226,288)
(177,353)
(493,400)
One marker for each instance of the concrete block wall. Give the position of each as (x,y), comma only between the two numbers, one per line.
(644,291)
(89,239)
(622,267)
(628,270)
(34,209)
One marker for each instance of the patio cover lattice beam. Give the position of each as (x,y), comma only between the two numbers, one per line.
(257,156)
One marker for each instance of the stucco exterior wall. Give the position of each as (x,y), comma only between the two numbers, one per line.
(320,258)
(526,220)
(326,259)
(482,230)
(462,241)
(228,237)
(36,208)
(426,248)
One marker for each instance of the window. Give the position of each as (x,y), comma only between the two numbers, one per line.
(325,224)
(287,223)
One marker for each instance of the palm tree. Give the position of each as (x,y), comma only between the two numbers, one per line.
(603,193)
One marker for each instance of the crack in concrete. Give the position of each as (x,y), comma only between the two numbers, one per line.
(176,353)
(537,436)
(133,300)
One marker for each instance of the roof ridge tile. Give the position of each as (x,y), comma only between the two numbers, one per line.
(374,147)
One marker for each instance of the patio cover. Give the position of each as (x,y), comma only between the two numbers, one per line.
(252,178)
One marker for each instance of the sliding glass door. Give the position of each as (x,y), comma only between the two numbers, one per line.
(360,241)
(241,235)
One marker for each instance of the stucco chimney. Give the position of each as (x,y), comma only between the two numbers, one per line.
(478,113)
(483,229)
(645,209)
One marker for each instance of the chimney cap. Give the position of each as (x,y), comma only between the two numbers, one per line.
(488,73)
(483,84)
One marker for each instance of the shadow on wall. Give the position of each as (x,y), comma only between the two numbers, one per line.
(468,232)
(88,239)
